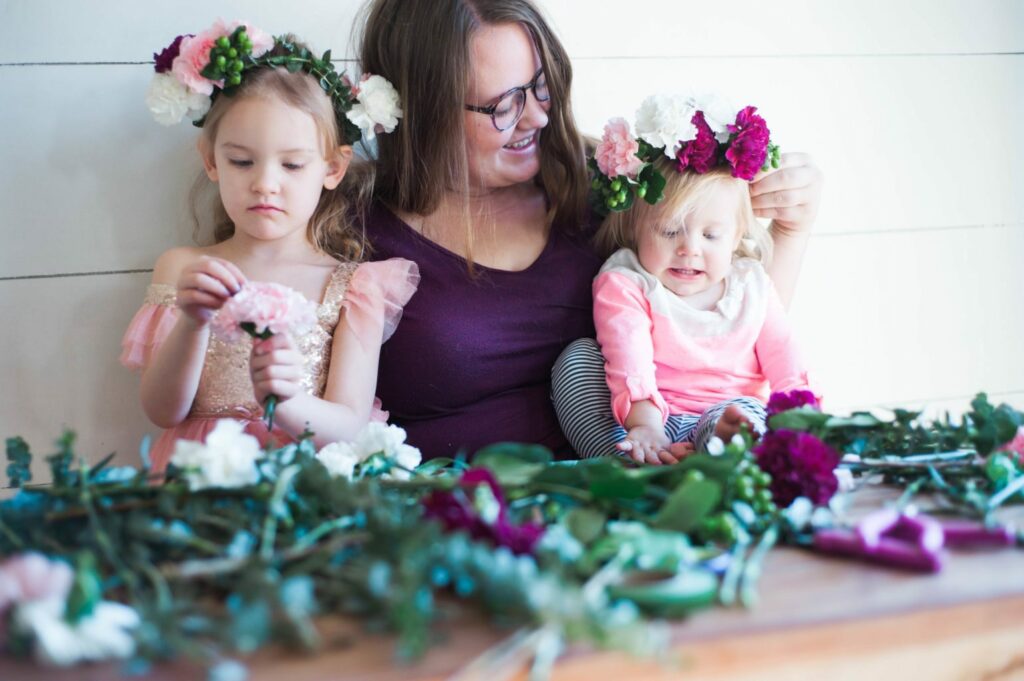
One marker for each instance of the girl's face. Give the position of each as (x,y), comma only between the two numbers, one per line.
(268,162)
(690,253)
(503,57)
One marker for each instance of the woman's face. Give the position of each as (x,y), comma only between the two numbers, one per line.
(503,57)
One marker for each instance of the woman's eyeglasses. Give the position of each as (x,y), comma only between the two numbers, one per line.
(509,107)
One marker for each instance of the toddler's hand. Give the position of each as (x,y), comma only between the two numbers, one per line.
(649,445)
(205,285)
(276,368)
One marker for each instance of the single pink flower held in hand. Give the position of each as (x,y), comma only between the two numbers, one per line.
(263,309)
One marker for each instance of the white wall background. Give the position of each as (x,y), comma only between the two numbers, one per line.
(912,291)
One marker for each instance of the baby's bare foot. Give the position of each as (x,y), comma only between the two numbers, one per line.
(731,422)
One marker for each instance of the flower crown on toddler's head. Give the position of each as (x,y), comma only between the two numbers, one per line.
(195,69)
(700,136)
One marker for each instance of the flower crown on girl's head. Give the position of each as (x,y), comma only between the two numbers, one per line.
(698,135)
(195,69)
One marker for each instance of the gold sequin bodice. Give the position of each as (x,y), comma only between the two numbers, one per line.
(225,387)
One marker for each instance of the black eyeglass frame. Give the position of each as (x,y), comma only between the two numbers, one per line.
(490,109)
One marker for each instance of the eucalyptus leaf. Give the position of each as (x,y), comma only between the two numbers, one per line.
(689,504)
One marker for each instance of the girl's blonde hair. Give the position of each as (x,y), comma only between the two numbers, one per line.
(423,48)
(683,193)
(330,227)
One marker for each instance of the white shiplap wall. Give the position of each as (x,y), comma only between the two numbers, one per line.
(911,293)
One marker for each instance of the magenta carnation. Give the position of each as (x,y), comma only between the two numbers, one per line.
(268,307)
(800,464)
(701,153)
(616,154)
(748,145)
(794,399)
(456,512)
(165,60)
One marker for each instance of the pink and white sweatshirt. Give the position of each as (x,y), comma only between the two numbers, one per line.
(659,348)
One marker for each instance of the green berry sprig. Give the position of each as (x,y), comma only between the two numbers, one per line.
(229,56)
(771,160)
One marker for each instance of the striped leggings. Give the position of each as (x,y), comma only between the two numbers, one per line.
(583,404)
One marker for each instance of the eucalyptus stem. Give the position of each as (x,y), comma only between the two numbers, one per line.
(752,570)
(730,581)
(997,499)
(284,481)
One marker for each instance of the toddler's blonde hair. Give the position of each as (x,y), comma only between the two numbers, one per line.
(683,193)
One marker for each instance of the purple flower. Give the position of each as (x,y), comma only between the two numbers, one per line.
(748,146)
(800,464)
(165,59)
(701,153)
(794,399)
(456,511)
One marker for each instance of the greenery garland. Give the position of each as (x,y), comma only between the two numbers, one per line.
(216,572)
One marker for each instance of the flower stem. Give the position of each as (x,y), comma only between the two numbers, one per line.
(269,408)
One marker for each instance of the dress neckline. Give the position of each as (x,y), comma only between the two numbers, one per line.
(548,245)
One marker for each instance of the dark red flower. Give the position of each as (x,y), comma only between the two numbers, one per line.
(455,510)
(701,153)
(748,145)
(165,59)
(800,464)
(794,399)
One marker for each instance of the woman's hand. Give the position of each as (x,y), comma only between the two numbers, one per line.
(276,368)
(645,444)
(789,195)
(205,285)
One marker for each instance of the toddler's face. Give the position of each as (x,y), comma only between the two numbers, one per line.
(270,168)
(691,253)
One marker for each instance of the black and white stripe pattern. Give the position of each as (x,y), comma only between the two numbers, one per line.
(583,404)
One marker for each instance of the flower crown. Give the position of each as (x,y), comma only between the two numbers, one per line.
(698,135)
(195,69)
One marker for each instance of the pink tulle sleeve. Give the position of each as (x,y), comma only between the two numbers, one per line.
(376,295)
(149,327)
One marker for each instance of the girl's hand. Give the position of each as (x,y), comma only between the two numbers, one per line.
(645,444)
(276,368)
(789,195)
(205,285)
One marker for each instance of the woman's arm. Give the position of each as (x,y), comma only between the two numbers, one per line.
(790,196)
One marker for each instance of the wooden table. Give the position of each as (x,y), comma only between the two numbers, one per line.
(818,618)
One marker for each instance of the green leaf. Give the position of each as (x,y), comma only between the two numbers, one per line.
(19,467)
(293,65)
(858,420)
(513,463)
(60,462)
(585,524)
(609,480)
(327,57)
(803,418)
(688,505)
(86,590)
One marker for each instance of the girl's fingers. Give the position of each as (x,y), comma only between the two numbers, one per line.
(196,298)
(225,273)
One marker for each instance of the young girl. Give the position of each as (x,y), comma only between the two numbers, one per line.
(277,147)
(691,328)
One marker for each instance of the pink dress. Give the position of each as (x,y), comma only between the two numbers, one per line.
(372,295)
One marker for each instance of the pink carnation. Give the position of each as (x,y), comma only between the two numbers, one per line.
(748,147)
(194,55)
(701,153)
(616,154)
(268,307)
(1015,445)
(33,577)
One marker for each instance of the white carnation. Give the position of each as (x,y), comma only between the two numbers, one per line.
(378,437)
(377,108)
(340,459)
(228,459)
(103,634)
(665,121)
(718,113)
(170,101)
(405,456)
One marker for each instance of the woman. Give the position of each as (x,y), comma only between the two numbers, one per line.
(484,185)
